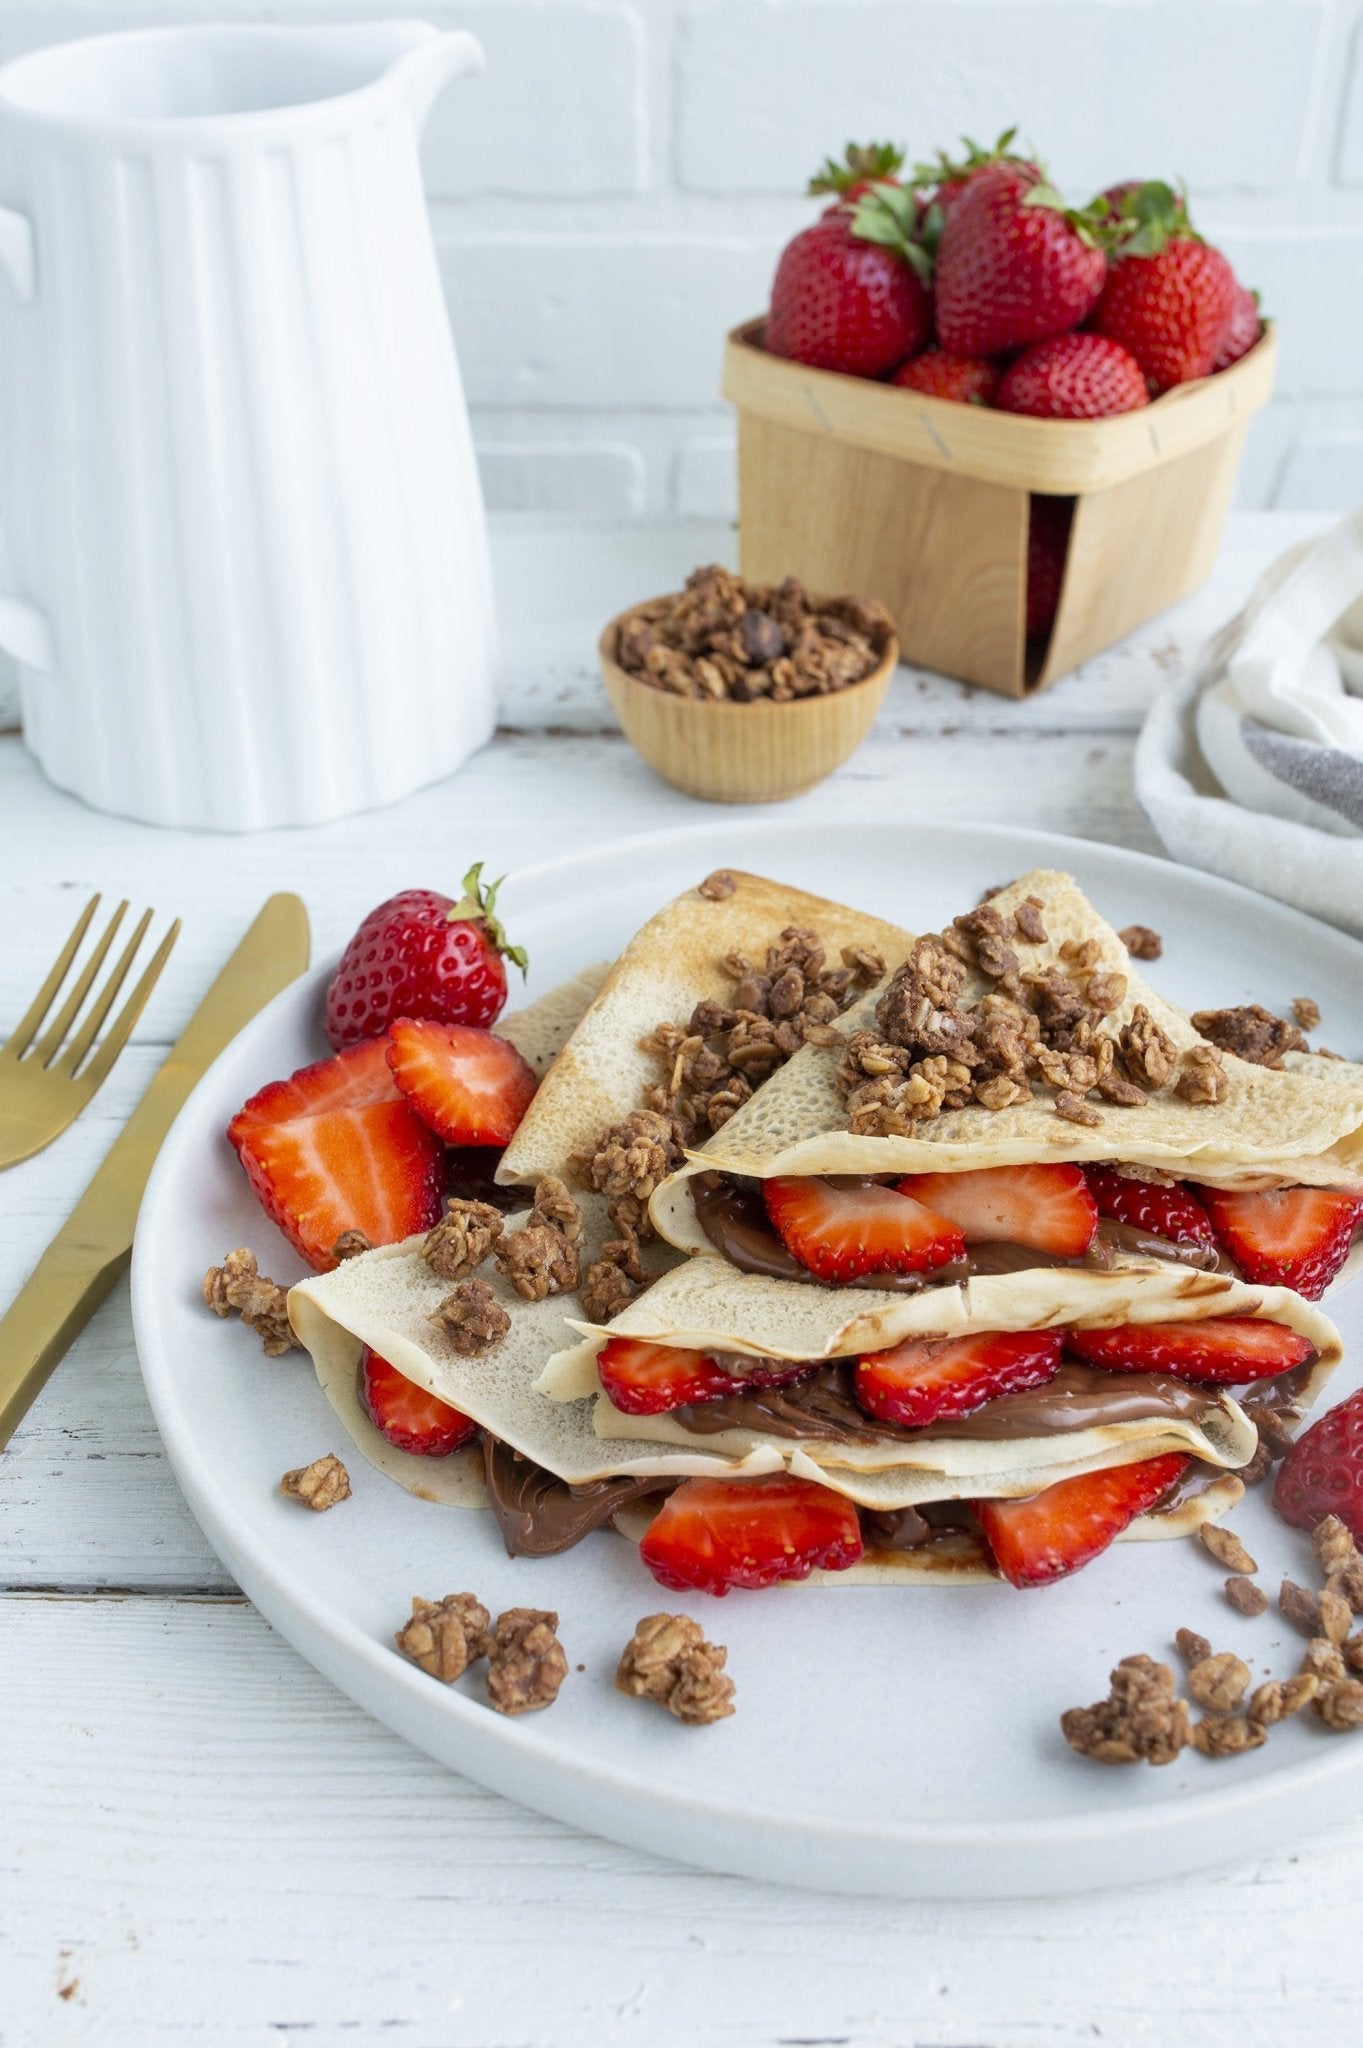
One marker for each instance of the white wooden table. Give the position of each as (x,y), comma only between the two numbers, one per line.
(200,1842)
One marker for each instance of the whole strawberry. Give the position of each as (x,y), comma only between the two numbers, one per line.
(1073,377)
(851,292)
(1014,265)
(946,178)
(1169,296)
(970,380)
(1243,330)
(1048,539)
(1322,1474)
(421,954)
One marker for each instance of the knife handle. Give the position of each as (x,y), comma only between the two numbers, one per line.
(46,1316)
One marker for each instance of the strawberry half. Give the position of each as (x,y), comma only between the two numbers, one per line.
(350,1080)
(711,1534)
(925,1378)
(648,1379)
(407,1414)
(844,1233)
(1168,1212)
(1067,1525)
(1229,1350)
(1048,1207)
(1322,1474)
(1287,1237)
(335,1148)
(470,1086)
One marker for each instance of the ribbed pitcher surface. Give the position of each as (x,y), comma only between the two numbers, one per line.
(249,576)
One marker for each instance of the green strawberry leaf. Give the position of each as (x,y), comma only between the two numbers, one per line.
(860,160)
(477,905)
(888,215)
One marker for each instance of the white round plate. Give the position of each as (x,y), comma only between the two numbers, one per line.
(886,1740)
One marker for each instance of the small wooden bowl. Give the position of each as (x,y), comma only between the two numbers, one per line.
(754,753)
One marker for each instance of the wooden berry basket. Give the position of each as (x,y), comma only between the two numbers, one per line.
(855,485)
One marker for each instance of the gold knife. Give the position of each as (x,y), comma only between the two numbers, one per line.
(95,1243)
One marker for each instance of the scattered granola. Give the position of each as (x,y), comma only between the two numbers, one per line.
(1336,1616)
(1278,1698)
(1141,942)
(319,1485)
(723,638)
(717,886)
(1227,1734)
(1141,1718)
(554,1205)
(1202,1078)
(538,1261)
(1225,1546)
(1306,1013)
(526,1664)
(1219,1682)
(1251,1033)
(445,1636)
(350,1245)
(472,1318)
(1147,1050)
(239,1284)
(668,1659)
(612,1280)
(1301,1607)
(1027,921)
(462,1239)
(1245,1597)
(1075,1110)
(1333,1545)
(1192,1647)
(630,1160)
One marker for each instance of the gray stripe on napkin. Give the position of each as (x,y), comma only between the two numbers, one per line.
(1325,774)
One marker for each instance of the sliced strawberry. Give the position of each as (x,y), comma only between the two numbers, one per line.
(711,1534)
(349,1081)
(470,1086)
(1230,1350)
(1067,1525)
(375,1169)
(1168,1212)
(843,1233)
(648,1379)
(1322,1474)
(1287,1237)
(1048,1207)
(926,1378)
(407,1414)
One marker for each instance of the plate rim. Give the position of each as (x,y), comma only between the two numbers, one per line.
(245,1550)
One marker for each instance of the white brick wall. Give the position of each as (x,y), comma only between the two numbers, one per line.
(611,195)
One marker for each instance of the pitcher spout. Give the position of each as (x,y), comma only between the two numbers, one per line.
(427,62)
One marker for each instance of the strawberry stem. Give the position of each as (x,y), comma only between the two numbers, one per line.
(1145,219)
(888,215)
(477,905)
(861,160)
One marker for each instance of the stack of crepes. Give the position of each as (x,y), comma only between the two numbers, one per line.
(1114,1387)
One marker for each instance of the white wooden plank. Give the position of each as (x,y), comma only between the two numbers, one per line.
(211,1846)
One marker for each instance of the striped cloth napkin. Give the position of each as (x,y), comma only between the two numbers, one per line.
(1252,765)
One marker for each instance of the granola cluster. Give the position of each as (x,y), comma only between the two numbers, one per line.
(1252,1033)
(1142,1716)
(540,1259)
(723,639)
(238,1284)
(526,1663)
(319,1485)
(932,1050)
(668,1659)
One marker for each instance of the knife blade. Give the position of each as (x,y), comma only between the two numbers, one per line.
(94,1245)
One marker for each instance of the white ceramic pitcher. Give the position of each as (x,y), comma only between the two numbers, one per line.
(248,578)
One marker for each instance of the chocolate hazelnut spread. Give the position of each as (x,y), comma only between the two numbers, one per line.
(823,1408)
(733,1216)
(540,1515)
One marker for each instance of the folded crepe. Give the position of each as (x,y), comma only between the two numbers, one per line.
(545,1403)
(1301,1122)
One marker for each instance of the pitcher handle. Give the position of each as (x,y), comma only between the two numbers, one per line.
(424,70)
(24,632)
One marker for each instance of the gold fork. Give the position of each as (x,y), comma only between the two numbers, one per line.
(40,1092)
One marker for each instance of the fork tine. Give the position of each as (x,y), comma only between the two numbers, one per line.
(50,1044)
(104,1002)
(120,1031)
(23,1031)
